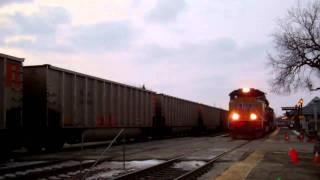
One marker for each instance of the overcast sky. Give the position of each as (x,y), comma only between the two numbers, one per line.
(198,50)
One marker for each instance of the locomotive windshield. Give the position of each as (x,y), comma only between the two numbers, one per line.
(245,106)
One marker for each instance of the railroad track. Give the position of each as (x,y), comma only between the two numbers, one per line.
(65,169)
(169,169)
(93,145)
(25,166)
(57,169)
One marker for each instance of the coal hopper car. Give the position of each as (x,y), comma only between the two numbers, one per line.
(11,75)
(44,106)
(176,115)
(65,106)
(182,116)
(213,118)
(60,105)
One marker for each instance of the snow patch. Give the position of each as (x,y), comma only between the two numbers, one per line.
(296,132)
(115,168)
(108,174)
(189,165)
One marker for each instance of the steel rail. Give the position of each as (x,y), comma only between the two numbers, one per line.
(13,169)
(193,174)
(203,169)
(60,170)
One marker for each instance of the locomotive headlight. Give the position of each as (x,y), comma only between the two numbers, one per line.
(245,90)
(253,116)
(235,116)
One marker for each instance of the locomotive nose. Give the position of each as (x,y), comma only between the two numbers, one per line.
(234,117)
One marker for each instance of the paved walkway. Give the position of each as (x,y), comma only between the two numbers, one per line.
(269,160)
(242,169)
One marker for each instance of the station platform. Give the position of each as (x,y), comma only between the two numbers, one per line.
(269,159)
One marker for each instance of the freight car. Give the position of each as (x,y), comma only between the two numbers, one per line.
(10,100)
(250,114)
(62,106)
(177,115)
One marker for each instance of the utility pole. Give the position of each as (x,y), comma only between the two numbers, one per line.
(124,151)
(315,115)
(300,104)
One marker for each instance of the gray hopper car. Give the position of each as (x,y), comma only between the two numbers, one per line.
(212,117)
(177,115)
(10,99)
(180,115)
(61,104)
(45,106)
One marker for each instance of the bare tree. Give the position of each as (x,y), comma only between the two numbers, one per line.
(296,63)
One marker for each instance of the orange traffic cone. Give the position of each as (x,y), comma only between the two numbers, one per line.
(316,158)
(286,136)
(293,154)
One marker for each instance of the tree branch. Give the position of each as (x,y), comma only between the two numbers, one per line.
(298,49)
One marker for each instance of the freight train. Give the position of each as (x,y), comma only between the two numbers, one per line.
(43,107)
(250,113)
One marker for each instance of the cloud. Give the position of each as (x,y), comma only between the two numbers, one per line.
(49,29)
(211,68)
(44,22)
(35,32)
(166,10)
(7,2)
(20,38)
(106,36)
(215,50)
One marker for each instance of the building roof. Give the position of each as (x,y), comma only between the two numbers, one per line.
(311,106)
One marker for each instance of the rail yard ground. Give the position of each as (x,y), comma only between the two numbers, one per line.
(265,158)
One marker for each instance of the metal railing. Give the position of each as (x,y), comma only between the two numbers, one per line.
(105,150)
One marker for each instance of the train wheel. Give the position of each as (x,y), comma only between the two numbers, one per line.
(261,134)
(34,147)
(233,136)
(54,147)
(5,152)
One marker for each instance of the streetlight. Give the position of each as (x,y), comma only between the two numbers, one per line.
(299,105)
(300,102)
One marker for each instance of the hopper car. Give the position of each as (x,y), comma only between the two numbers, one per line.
(11,80)
(44,107)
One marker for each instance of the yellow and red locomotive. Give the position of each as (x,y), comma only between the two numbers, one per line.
(249,113)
